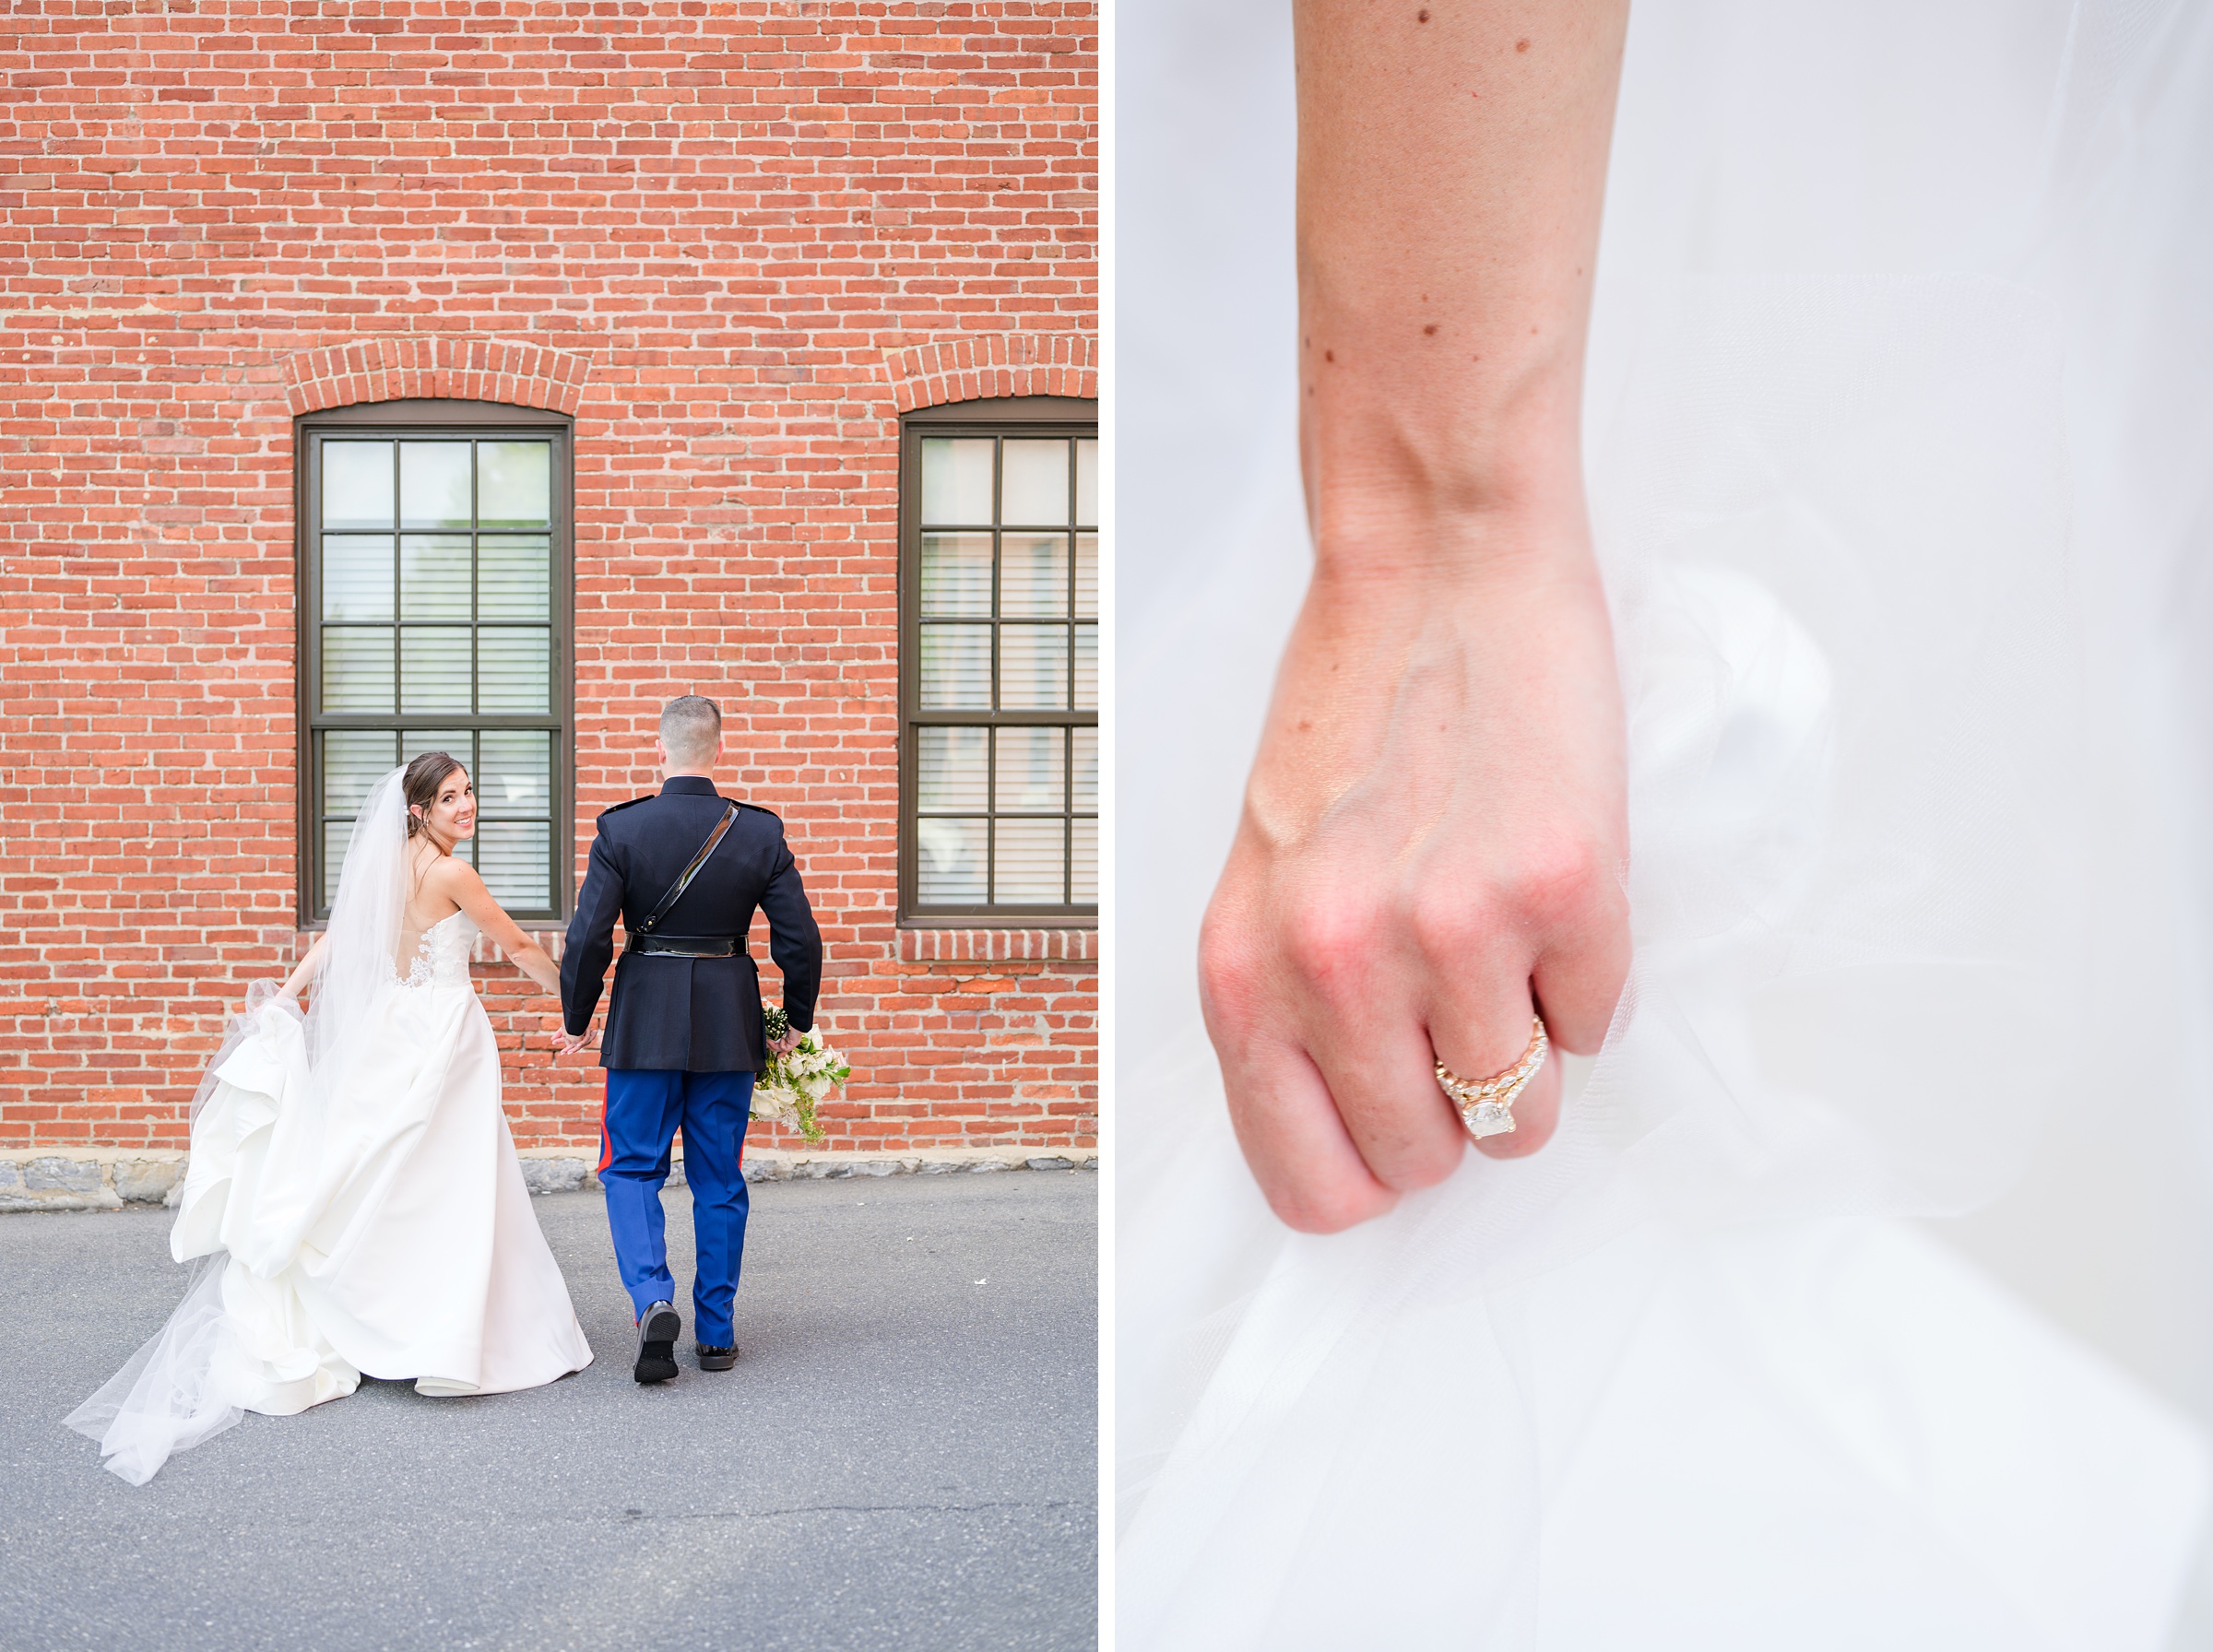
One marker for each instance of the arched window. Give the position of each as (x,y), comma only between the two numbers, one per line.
(999,661)
(434,616)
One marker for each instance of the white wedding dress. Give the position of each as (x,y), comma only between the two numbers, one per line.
(1864,1297)
(363,1215)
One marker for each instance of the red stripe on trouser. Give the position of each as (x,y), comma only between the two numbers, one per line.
(607,1142)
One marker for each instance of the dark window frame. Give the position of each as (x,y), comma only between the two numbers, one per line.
(996,415)
(416,419)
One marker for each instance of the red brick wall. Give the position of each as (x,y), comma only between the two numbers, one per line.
(736,240)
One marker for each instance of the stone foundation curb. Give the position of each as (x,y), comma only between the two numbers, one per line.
(88,1178)
(107,1178)
(563,1170)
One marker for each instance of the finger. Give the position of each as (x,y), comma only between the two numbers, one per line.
(1536,1115)
(1379,1072)
(1315,1179)
(1481,1025)
(1294,1138)
(1342,984)
(1578,976)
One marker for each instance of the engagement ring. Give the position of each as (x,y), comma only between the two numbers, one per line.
(1487,1108)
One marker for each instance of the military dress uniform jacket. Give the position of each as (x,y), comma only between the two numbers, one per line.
(688,1014)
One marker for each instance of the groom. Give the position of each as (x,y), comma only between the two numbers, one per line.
(684,869)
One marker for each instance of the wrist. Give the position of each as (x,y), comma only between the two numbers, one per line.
(1387,550)
(1397,496)
(1387,432)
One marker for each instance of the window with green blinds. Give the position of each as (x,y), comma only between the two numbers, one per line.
(1001,658)
(436,620)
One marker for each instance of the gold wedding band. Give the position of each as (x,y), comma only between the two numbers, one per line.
(1487,1108)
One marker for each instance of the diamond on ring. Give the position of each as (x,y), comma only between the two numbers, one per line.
(1487,1108)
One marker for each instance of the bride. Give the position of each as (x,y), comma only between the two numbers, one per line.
(353,1193)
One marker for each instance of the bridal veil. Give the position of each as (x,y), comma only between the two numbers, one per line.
(183,1386)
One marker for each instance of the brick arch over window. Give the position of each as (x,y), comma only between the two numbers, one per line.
(976,365)
(470,369)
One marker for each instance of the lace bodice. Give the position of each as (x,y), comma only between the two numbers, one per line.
(442,955)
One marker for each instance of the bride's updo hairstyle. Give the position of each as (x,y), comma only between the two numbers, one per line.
(420,786)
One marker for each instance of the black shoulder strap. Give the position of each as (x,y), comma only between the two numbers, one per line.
(683,878)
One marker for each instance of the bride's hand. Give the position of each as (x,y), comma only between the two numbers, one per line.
(1434,833)
(1432,836)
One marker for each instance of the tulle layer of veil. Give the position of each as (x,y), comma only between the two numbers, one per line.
(1899,349)
(182,1386)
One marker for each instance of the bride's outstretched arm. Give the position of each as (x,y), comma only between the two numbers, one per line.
(1434,832)
(458,881)
(305,970)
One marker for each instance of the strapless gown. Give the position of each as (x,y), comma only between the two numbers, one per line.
(385,1233)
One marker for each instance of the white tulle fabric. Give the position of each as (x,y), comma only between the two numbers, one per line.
(1898,356)
(357,1210)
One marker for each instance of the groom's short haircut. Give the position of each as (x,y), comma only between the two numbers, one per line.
(690,724)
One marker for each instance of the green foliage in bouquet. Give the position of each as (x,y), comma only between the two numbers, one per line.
(789,1087)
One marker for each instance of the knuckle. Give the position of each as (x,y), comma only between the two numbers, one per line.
(1452,926)
(1230,970)
(1332,942)
(1564,883)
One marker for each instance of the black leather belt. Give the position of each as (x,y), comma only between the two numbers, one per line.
(687,946)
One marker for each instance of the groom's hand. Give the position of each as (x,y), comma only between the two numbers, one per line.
(786,1044)
(566,1042)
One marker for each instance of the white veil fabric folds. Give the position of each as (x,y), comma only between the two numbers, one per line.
(185,1384)
(361,952)
(1897,356)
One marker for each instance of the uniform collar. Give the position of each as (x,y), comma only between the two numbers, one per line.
(688,785)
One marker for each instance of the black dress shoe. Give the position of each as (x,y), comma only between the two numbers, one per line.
(657,1327)
(717,1359)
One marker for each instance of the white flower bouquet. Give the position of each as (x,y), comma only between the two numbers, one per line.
(791,1086)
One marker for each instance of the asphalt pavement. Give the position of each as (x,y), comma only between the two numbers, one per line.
(905,1457)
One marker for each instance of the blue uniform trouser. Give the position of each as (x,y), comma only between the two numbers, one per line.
(643,1108)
